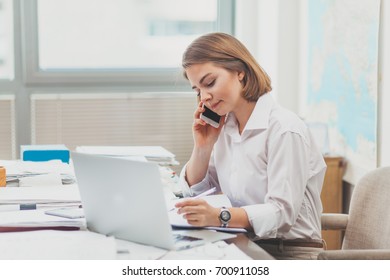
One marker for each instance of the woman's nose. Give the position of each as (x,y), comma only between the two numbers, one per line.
(205,96)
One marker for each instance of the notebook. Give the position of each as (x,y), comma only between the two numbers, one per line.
(125,199)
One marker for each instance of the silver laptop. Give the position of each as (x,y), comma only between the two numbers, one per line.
(125,199)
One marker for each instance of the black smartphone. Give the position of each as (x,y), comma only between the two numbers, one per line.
(210,117)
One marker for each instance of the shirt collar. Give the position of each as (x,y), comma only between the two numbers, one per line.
(259,118)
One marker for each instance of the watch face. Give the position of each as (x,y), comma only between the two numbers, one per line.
(225,216)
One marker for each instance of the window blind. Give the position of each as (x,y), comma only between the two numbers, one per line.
(7,127)
(115,119)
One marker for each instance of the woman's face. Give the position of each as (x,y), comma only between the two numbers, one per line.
(218,88)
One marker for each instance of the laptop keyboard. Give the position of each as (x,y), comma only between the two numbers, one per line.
(179,237)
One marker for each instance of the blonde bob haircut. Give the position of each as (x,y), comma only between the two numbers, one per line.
(223,50)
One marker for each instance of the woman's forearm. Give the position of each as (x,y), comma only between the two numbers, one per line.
(197,165)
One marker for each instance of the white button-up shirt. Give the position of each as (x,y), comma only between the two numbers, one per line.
(273,170)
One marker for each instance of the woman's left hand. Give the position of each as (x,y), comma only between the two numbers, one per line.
(198,212)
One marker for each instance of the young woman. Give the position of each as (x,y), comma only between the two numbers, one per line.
(261,156)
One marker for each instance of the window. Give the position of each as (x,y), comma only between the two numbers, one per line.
(120,34)
(96,46)
(133,42)
(6,40)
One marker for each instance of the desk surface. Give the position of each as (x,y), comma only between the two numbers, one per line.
(81,244)
(241,241)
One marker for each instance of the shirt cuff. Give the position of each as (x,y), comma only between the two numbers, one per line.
(262,218)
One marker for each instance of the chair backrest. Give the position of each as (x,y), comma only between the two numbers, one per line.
(369,214)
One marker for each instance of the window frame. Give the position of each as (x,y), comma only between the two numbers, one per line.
(141,77)
(4,80)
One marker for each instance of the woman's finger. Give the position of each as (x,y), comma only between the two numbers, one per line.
(198,110)
(190,202)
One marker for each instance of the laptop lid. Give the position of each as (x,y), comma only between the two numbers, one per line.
(123,198)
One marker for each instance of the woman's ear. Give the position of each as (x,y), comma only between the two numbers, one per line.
(241,76)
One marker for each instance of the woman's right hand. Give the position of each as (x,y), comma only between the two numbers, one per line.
(204,134)
(205,137)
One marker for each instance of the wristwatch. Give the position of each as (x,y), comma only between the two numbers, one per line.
(224,217)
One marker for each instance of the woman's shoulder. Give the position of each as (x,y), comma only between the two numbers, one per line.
(286,120)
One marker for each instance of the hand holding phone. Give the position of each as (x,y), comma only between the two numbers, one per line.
(210,117)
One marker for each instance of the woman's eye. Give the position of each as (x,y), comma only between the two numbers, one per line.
(211,83)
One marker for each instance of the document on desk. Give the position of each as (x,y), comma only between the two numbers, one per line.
(62,194)
(133,251)
(56,245)
(211,251)
(218,200)
(127,250)
(151,153)
(29,220)
(18,170)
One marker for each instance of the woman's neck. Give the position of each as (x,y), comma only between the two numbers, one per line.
(243,114)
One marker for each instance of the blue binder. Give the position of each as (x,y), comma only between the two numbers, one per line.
(44,152)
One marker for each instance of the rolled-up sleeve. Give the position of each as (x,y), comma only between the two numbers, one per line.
(208,182)
(263,219)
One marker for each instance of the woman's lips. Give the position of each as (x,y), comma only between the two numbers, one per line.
(214,106)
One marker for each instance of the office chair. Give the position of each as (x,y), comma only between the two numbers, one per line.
(367,226)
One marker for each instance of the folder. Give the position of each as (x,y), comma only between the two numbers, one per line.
(44,152)
(34,228)
(32,220)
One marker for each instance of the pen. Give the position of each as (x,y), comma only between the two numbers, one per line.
(17,207)
(209,191)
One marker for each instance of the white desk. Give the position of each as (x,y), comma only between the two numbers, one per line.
(78,245)
(68,245)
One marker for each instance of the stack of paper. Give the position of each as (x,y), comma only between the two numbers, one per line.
(17,170)
(151,153)
(49,195)
(28,220)
(14,201)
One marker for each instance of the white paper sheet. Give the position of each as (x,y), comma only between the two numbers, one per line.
(44,180)
(146,151)
(19,167)
(210,251)
(36,218)
(134,251)
(127,250)
(56,245)
(68,193)
(151,153)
